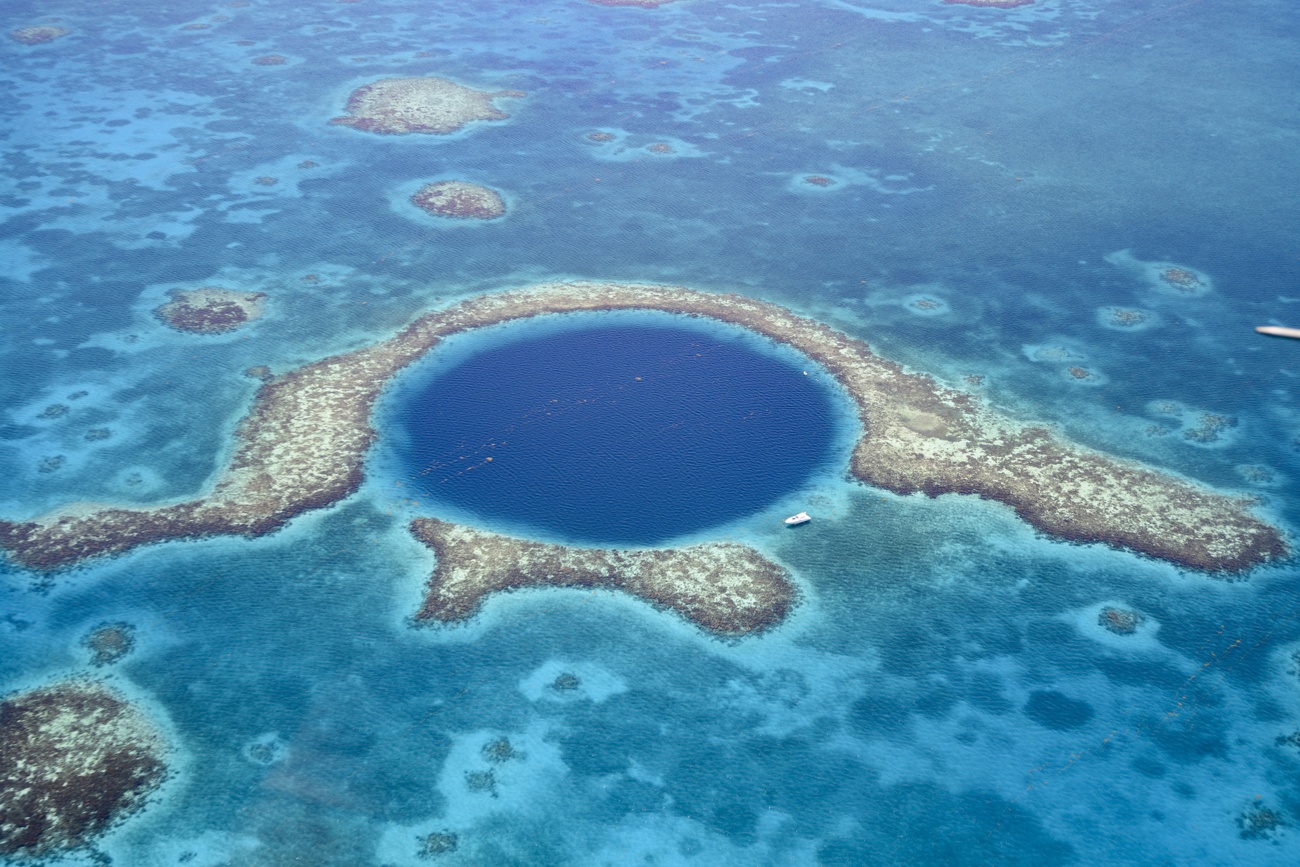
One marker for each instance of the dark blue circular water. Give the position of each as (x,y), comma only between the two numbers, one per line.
(616,434)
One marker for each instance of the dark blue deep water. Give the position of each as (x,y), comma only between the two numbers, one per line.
(625,434)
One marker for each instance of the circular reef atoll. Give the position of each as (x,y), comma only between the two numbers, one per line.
(726,588)
(303,444)
(210,310)
(76,758)
(398,106)
(459,199)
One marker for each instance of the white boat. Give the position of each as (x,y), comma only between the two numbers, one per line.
(801,518)
(1278,331)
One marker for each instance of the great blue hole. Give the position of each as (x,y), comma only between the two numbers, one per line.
(615,434)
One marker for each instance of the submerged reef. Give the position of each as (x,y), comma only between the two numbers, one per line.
(437,843)
(210,310)
(1258,822)
(75,759)
(109,642)
(459,199)
(728,589)
(303,443)
(1121,621)
(398,106)
(37,35)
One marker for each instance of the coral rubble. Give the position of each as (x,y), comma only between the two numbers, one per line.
(398,106)
(459,199)
(210,310)
(303,444)
(726,588)
(75,759)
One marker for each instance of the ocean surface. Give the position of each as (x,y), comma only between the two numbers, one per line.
(614,435)
(984,195)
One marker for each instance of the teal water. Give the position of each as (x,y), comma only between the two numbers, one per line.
(1003,182)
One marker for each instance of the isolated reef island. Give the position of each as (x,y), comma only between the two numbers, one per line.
(459,199)
(303,444)
(210,310)
(398,106)
(76,758)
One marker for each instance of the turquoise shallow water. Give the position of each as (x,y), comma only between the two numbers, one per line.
(1003,186)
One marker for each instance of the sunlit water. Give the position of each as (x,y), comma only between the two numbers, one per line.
(945,692)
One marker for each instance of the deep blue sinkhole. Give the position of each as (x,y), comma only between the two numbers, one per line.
(616,434)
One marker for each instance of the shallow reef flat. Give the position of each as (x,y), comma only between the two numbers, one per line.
(76,758)
(210,310)
(459,199)
(436,106)
(726,588)
(302,446)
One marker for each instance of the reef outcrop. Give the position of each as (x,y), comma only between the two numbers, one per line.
(37,35)
(303,443)
(399,106)
(459,199)
(75,759)
(109,642)
(210,310)
(726,588)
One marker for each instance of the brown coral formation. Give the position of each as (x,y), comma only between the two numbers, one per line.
(1181,279)
(1126,318)
(398,106)
(109,642)
(437,843)
(819,181)
(726,588)
(37,35)
(303,444)
(75,758)
(210,310)
(459,199)
(1121,621)
(270,60)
